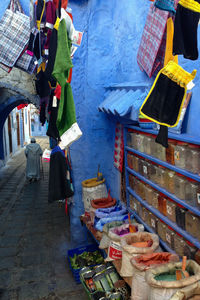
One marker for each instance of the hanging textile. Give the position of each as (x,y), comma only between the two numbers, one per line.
(165,99)
(185,29)
(150,56)
(66,121)
(14,31)
(59,186)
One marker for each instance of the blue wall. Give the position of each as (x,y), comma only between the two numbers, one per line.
(112,33)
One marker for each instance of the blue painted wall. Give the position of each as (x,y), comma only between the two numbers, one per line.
(112,33)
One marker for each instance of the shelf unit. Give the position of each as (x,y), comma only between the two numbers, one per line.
(157,213)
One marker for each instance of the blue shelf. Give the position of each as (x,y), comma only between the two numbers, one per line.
(180,137)
(173,225)
(163,191)
(149,229)
(164,164)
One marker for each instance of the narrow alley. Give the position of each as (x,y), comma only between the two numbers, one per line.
(34,238)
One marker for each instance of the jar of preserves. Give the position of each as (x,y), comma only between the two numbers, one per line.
(170,181)
(180,155)
(191,191)
(180,186)
(170,151)
(193,159)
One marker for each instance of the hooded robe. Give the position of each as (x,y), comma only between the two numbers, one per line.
(33,152)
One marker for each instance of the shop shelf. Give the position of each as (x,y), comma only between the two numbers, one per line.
(179,137)
(173,225)
(149,229)
(164,164)
(195,210)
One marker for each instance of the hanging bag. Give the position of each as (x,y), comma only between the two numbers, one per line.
(14,31)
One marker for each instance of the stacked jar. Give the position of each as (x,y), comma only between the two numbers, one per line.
(193,159)
(180,155)
(170,151)
(191,191)
(180,186)
(169,181)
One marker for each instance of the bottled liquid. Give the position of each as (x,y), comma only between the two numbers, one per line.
(180,155)
(170,151)
(193,159)
(180,186)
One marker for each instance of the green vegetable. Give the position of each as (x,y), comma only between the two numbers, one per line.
(86,259)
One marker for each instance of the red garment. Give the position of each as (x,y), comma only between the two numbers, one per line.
(57,92)
(21,106)
(64,3)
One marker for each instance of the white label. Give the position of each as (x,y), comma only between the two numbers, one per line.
(190,85)
(145,169)
(168,238)
(169,210)
(198,198)
(135,206)
(177,155)
(54,104)
(153,223)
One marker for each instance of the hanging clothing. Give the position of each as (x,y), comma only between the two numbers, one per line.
(164,102)
(59,186)
(52,130)
(165,5)
(33,153)
(185,29)
(66,121)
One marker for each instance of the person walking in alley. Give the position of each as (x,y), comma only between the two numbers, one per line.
(33,153)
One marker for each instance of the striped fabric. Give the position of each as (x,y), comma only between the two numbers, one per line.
(151,51)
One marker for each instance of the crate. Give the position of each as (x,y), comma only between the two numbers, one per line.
(79,250)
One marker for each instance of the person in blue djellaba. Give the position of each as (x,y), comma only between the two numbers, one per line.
(33,153)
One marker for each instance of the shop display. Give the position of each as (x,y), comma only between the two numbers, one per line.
(86,259)
(162,283)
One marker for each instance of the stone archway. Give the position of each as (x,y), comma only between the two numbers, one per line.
(16,87)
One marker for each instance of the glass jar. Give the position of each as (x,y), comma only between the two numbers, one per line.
(136,185)
(140,142)
(153,146)
(162,230)
(152,171)
(146,169)
(149,193)
(198,196)
(180,217)
(153,222)
(142,189)
(162,204)
(130,159)
(170,237)
(179,245)
(131,181)
(169,181)
(161,176)
(148,144)
(140,165)
(170,151)
(191,191)
(193,159)
(135,163)
(189,250)
(180,155)
(154,201)
(134,204)
(192,224)
(133,140)
(160,152)
(171,211)
(129,139)
(180,186)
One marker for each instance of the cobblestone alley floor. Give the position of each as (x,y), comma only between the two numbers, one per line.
(34,238)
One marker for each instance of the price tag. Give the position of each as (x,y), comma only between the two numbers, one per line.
(54,104)
(198,198)
(168,238)
(169,210)
(145,169)
(176,155)
(153,223)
